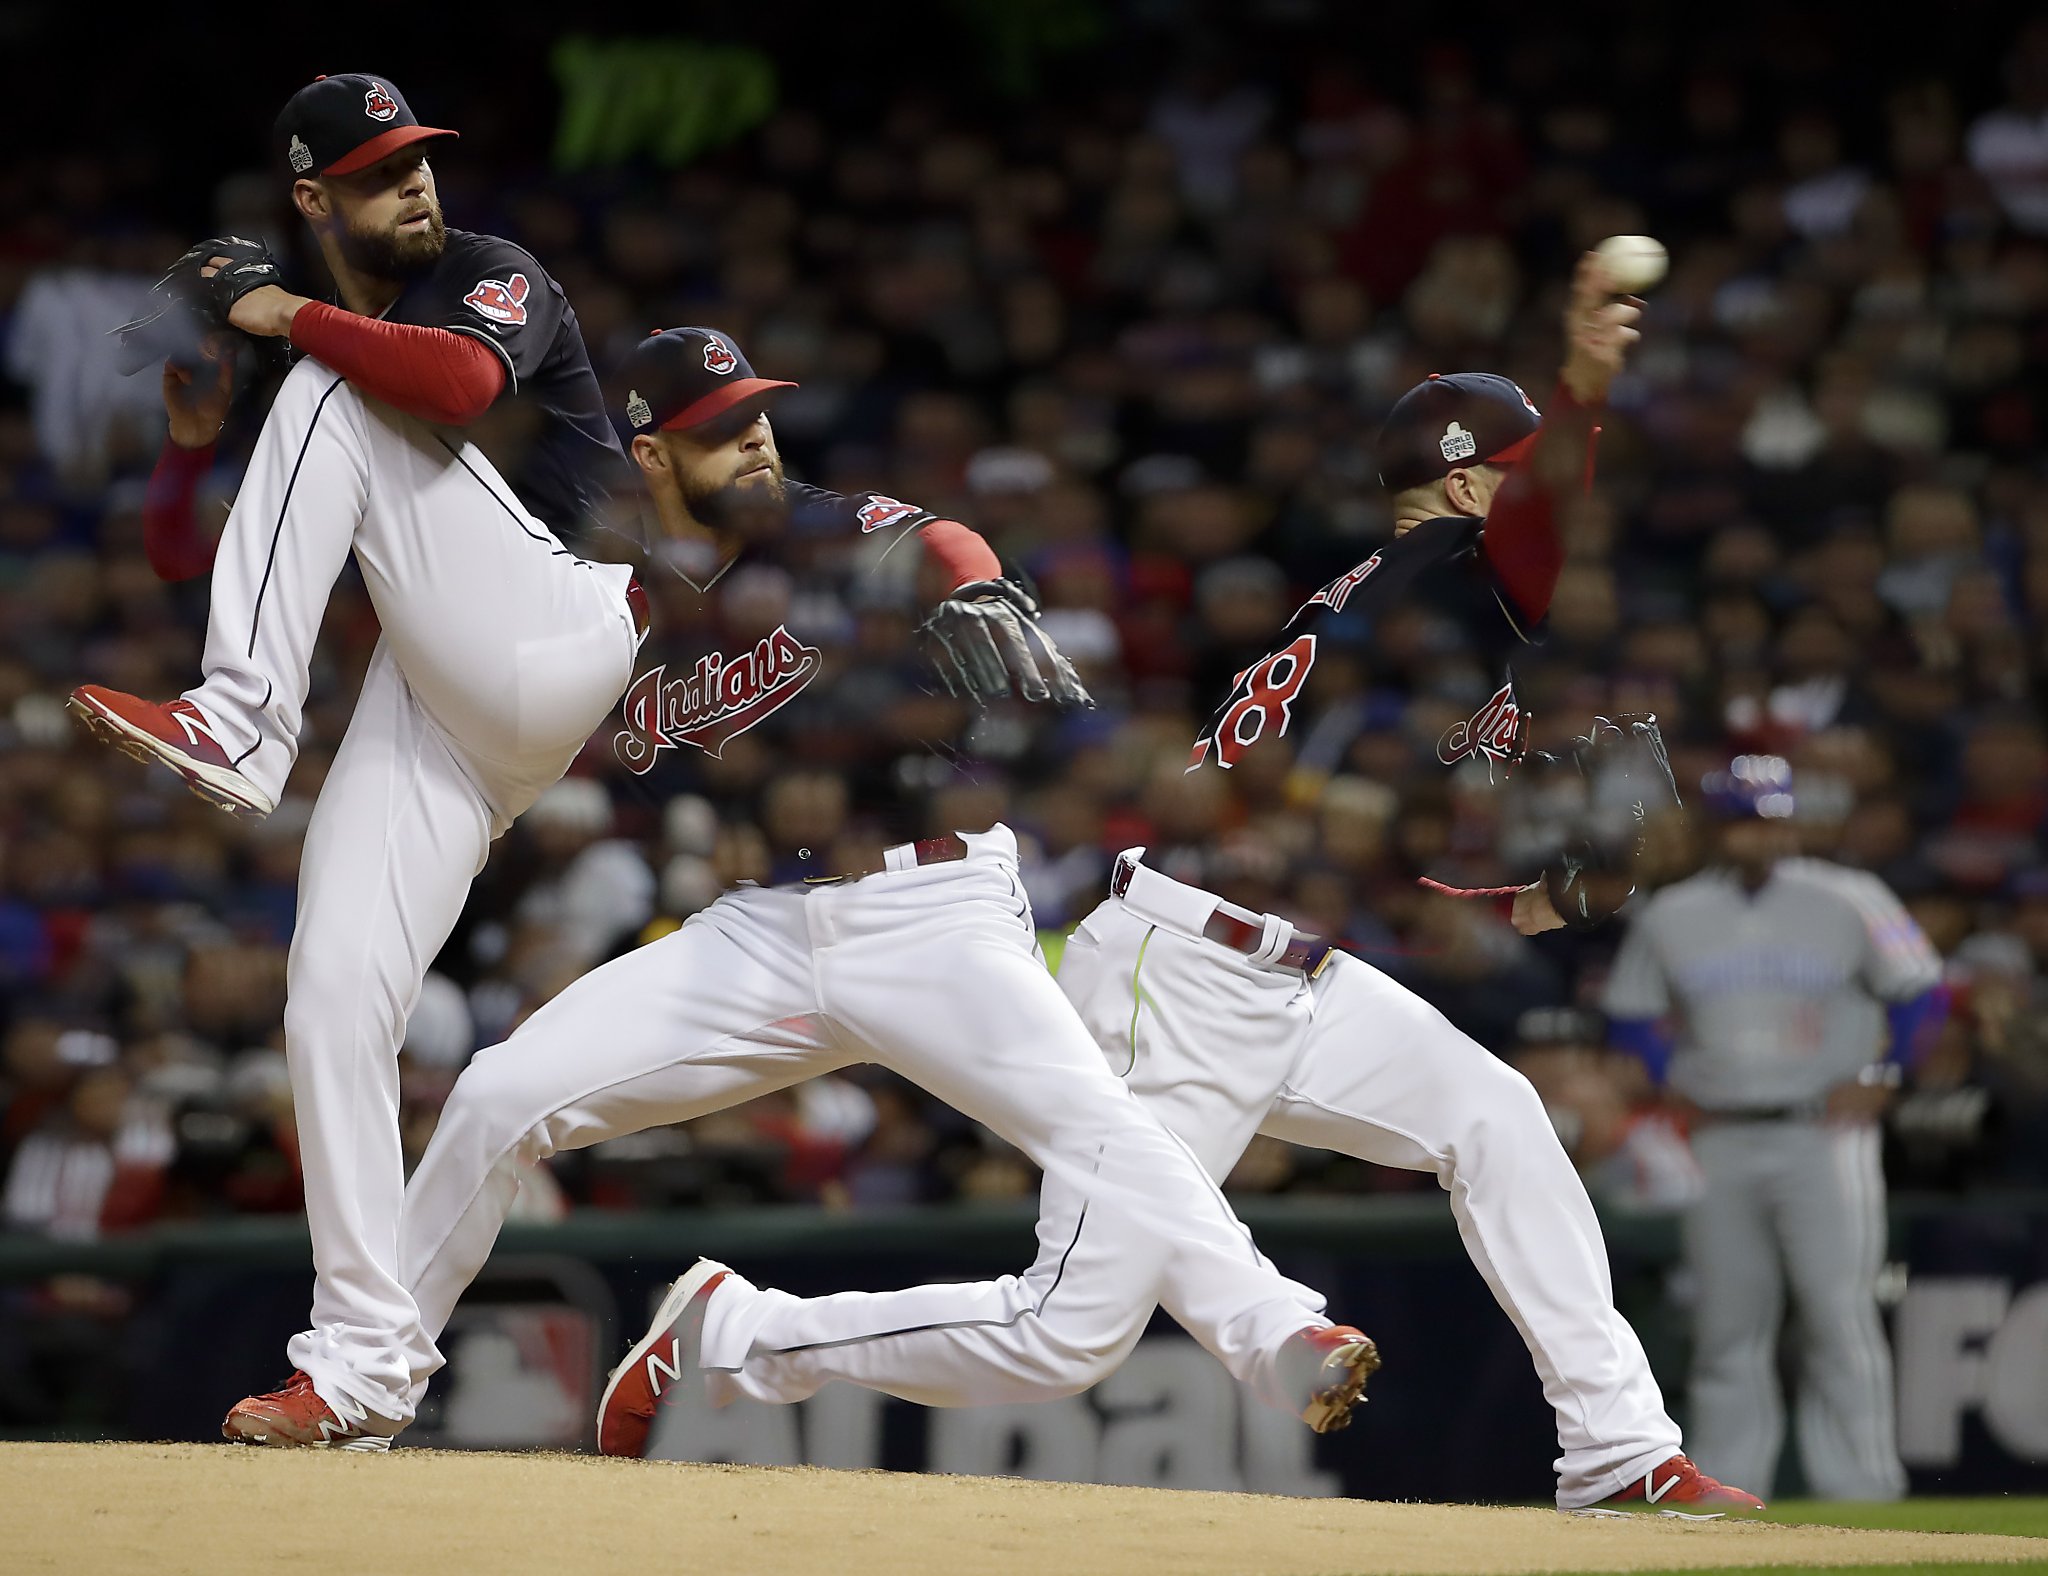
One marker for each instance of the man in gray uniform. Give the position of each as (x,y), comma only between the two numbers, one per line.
(1779,981)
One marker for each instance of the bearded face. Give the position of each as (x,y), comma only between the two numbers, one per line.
(401,245)
(726,492)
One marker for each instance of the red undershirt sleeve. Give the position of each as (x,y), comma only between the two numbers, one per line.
(170,532)
(432,373)
(1522,543)
(966,556)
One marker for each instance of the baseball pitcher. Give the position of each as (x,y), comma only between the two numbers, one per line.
(915,952)
(500,652)
(1228,1023)
(1777,976)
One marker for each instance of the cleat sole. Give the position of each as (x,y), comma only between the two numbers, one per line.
(1330,1408)
(206,782)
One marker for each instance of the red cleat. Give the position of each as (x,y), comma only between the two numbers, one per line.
(1331,1365)
(295,1415)
(662,1366)
(175,735)
(1678,1488)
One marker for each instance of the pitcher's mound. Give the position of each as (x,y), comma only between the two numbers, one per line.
(165,1510)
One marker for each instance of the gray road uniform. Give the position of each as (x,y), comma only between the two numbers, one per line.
(1776,997)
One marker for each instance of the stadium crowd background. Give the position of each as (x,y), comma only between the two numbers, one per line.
(1138,328)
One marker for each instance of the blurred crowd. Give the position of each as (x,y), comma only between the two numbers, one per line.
(1140,335)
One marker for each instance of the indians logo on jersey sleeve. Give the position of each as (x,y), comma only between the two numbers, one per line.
(715,702)
(1495,731)
(500,300)
(879,511)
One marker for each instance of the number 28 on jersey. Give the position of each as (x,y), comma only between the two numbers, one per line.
(1261,703)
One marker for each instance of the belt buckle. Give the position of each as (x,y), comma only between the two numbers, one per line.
(1120,878)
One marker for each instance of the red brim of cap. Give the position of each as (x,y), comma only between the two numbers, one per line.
(721,400)
(382,146)
(1517,451)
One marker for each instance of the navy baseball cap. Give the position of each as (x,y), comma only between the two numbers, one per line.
(1752,786)
(683,377)
(339,125)
(1451,421)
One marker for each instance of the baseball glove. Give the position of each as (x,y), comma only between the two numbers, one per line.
(981,639)
(192,305)
(1627,777)
(249,266)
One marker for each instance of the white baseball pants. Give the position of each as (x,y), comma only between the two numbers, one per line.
(1220,1048)
(930,971)
(501,651)
(1798,1206)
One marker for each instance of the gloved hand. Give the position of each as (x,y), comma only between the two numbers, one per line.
(1628,779)
(248,266)
(981,641)
(192,304)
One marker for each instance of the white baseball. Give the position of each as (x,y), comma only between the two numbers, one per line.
(1635,262)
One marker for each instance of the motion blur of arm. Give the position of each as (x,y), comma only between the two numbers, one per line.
(1522,543)
(170,528)
(195,406)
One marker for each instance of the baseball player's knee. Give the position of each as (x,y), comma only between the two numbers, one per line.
(1062,1363)
(491,1115)
(330,996)
(1496,1111)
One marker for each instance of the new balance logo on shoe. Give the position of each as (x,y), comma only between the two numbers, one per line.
(194,733)
(673,1366)
(1685,1484)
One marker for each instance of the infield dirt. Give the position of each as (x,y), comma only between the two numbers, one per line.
(166,1510)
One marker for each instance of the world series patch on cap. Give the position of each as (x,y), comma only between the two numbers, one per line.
(339,125)
(1451,421)
(682,377)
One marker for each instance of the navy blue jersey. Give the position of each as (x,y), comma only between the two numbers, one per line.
(1437,564)
(797,662)
(494,291)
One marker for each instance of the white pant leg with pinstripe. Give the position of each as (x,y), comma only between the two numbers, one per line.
(501,651)
(932,972)
(1385,1076)
(1070,1319)
(1220,1048)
